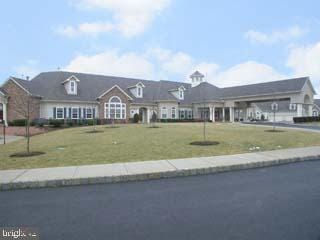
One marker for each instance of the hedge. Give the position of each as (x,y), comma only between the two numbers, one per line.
(306,119)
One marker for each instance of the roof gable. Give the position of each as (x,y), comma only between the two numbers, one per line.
(110,89)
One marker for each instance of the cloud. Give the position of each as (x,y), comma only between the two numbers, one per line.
(129,17)
(275,36)
(113,63)
(29,69)
(93,28)
(157,63)
(305,61)
(249,72)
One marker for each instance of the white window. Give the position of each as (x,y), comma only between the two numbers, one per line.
(73,87)
(89,113)
(59,113)
(139,93)
(115,109)
(74,113)
(173,112)
(181,94)
(164,113)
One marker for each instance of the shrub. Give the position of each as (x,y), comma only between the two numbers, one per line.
(306,119)
(18,122)
(56,123)
(136,118)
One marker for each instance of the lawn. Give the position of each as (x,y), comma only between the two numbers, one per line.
(130,142)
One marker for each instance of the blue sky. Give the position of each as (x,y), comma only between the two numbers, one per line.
(231,42)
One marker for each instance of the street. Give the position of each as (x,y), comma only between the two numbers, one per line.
(281,202)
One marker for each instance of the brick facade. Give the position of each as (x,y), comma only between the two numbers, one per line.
(105,99)
(17,102)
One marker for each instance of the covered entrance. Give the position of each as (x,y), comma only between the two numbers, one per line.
(144,115)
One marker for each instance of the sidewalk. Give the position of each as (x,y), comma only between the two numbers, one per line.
(136,171)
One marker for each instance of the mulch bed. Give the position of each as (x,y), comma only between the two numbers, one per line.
(275,131)
(204,143)
(25,154)
(94,131)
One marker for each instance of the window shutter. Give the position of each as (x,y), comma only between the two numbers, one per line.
(64,112)
(79,113)
(69,112)
(93,113)
(84,113)
(54,113)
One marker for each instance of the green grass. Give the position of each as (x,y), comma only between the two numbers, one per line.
(139,142)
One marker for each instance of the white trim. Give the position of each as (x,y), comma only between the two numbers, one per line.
(164,109)
(86,117)
(110,89)
(175,112)
(123,106)
(72,112)
(57,112)
(138,84)
(69,78)
(141,92)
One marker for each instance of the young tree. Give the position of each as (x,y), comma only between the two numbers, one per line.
(25,106)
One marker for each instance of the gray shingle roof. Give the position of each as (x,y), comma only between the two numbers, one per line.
(49,86)
(317,102)
(3,91)
(288,85)
(283,106)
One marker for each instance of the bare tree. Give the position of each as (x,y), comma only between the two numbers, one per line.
(25,106)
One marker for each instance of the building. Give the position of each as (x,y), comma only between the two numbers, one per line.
(68,95)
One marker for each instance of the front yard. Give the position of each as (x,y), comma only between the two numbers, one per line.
(138,143)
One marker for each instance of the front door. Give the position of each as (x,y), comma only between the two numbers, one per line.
(1,115)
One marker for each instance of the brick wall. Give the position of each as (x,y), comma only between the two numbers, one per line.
(105,98)
(17,102)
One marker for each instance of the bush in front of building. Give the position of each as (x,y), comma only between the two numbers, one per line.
(136,118)
(56,123)
(306,119)
(20,123)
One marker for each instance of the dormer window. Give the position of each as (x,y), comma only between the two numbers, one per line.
(181,94)
(139,94)
(137,90)
(71,85)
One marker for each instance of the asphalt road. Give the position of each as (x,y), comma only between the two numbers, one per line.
(287,125)
(270,203)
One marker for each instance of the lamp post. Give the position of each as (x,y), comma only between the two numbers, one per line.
(274,108)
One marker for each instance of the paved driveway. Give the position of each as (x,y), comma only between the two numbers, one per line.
(269,203)
(10,138)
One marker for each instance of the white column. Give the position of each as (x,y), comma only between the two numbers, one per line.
(310,110)
(223,115)
(148,116)
(299,110)
(231,111)
(210,114)
(4,110)
(213,114)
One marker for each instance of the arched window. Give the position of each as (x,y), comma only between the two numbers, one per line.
(115,109)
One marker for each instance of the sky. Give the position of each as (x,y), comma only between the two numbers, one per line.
(230,42)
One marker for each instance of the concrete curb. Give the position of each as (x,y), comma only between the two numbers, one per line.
(174,172)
